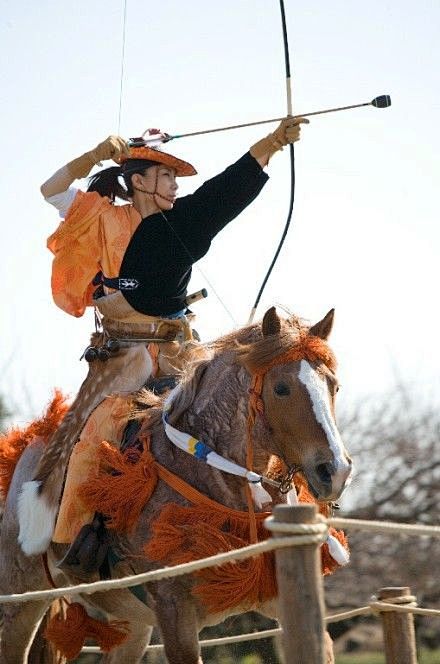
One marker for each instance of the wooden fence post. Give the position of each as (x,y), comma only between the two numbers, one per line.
(300,590)
(398,630)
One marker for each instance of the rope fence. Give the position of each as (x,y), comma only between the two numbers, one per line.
(385,527)
(305,534)
(300,534)
(287,537)
(375,607)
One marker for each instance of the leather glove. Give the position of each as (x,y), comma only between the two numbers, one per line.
(287,132)
(112,148)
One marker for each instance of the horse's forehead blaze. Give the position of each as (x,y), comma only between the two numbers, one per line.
(322,405)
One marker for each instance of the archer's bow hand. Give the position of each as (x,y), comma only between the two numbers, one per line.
(288,131)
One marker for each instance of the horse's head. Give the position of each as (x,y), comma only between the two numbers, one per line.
(295,371)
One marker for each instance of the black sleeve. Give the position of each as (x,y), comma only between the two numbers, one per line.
(219,200)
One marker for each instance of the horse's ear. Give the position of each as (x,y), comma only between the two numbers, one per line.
(271,323)
(324,327)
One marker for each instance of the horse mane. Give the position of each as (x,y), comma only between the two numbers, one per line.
(257,352)
(250,349)
(149,406)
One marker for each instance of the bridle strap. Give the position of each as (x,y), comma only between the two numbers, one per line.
(155,192)
(49,576)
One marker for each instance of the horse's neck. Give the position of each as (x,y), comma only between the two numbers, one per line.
(217,416)
(222,411)
(218,413)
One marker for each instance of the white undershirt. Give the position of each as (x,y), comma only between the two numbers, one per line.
(63,201)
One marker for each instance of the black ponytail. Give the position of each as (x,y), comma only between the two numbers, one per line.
(106,182)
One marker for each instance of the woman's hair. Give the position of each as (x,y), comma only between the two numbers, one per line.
(106,182)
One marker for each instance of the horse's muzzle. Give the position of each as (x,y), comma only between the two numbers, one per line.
(328,480)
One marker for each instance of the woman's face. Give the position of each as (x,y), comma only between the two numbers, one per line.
(161,180)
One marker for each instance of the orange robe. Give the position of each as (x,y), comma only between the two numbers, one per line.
(93,237)
(107,422)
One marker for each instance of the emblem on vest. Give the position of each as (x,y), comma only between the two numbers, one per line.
(128,284)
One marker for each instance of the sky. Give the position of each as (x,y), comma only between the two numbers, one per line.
(365,230)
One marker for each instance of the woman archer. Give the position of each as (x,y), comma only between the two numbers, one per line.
(133,263)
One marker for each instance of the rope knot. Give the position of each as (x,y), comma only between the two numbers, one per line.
(378,605)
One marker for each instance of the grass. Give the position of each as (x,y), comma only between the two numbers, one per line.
(424,657)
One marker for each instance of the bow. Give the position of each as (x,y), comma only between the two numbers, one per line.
(292,167)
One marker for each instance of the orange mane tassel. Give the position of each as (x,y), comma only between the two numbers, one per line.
(122,488)
(13,443)
(68,631)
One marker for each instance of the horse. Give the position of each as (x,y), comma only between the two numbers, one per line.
(285,368)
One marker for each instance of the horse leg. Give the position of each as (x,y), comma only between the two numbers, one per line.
(177,620)
(123,605)
(20,625)
(19,573)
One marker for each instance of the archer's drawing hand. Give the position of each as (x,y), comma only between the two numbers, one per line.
(112,148)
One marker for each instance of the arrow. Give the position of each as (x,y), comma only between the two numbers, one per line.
(382,101)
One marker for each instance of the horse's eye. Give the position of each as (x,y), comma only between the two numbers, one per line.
(282,390)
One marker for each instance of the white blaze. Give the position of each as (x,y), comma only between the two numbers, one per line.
(319,396)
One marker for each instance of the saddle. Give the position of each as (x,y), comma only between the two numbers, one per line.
(90,552)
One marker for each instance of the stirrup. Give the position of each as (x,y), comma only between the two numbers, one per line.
(88,552)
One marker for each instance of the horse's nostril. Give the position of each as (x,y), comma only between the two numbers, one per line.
(324,471)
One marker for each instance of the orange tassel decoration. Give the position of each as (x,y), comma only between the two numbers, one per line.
(329,564)
(13,443)
(242,583)
(123,487)
(184,534)
(68,632)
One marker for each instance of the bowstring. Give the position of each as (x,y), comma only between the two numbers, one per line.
(292,167)
(121,83)
(208,281)
(194,263)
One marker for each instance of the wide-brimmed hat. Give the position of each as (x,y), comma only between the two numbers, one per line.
(181,167)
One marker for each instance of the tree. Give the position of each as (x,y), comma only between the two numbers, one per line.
(4,414)
(394,444)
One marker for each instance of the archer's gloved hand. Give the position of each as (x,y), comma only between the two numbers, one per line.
(287,132)
(112,148)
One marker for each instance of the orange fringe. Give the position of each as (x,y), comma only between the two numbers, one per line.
(174,531)
(313,349)
(122,488)
(13,443)
(68,631)
(183,534)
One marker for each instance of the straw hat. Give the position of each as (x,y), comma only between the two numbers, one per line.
(182,168)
